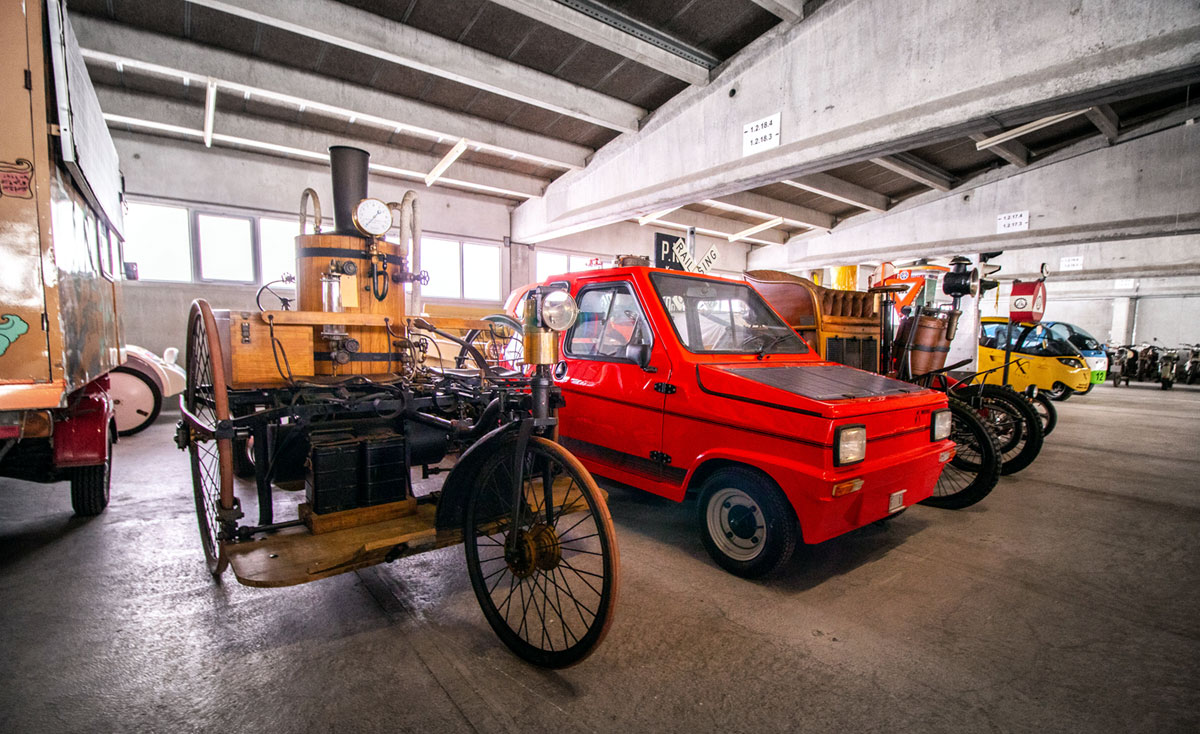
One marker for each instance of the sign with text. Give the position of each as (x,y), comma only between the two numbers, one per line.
(664,253)
(1071,262)
(689,263)
(761,135)
(1012,222)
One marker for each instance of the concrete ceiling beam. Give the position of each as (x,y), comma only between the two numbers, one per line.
(860,108)
(1106,121)
(757,205)
(835,188)
(125,110)
(1012,151)
(715,226)
(583,27)
(387,40)
(912,167)
(1071,200)
(791,11)
(143,52)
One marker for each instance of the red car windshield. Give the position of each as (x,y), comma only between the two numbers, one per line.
(715,317)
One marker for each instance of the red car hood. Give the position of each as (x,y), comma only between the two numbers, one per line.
(825,388)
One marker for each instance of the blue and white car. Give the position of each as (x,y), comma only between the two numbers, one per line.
(1090,347)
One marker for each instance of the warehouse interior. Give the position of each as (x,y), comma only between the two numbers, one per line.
(1054,139)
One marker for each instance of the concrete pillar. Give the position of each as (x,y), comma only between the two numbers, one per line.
(1123,312)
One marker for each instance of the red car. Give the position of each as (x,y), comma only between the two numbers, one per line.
(678,383)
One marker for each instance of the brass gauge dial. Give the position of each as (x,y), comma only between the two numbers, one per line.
(372,217)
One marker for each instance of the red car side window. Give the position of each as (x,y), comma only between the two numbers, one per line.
(610,319)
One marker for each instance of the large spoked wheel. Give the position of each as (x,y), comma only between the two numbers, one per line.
(1011,419)
(500,344)
(545,571)
(1047,412)
(973,472)
(206,402)
(746,523)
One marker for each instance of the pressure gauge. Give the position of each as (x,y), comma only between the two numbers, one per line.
(372,217)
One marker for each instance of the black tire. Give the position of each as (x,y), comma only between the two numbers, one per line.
(557,559)
(156,400)
(975,469)
(1060,392)
(753,522)
(1047,412)
(1166,384)
(90,485)
(1011,419)
(1088,389)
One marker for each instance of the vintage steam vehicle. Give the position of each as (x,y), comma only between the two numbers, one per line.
(337,397)
(60,224)
(684,384)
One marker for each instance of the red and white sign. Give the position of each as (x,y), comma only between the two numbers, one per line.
(1028,301)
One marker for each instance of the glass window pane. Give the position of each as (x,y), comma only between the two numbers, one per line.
(157,239)
(481,272)
(584,262)
(226,251)
(277,238)
(439,258)
(551,263)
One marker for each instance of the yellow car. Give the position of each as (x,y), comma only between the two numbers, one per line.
(1039,358)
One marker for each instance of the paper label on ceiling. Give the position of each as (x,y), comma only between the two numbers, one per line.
(1073,262)
(1012,222)
(761,135)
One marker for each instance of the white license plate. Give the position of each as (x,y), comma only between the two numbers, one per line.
(896,501)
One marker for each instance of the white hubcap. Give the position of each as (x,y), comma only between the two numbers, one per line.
(736,524)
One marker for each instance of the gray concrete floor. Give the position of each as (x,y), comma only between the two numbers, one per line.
(1066,601)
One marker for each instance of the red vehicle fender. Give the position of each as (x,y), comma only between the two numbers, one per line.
(789,475)
(81,431)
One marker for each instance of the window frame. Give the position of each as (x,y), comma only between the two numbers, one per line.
(460,241)
(611,285)
(197,259)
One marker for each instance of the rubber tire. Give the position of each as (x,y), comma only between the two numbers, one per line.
(1167,384)
(782,530)
(91,485)
(158,400)
(1060,392)
(1030,418)
(1050,418)
(989,473)
(1087,389)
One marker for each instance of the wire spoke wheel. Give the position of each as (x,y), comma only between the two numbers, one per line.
(973,472)
(206,401)
(1012,420)
(545,572)
(500,344)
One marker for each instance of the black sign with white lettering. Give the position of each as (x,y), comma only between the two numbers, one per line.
(664,254)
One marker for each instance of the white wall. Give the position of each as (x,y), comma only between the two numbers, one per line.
(1172,321)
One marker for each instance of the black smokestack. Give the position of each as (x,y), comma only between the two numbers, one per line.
(349,185)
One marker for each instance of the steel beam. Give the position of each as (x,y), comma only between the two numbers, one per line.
(358,30)
(143,52)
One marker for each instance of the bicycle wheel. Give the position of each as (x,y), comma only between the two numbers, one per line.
(1011,419)
(973,472)
(1047,412)
(500,344)
(206,401)
(545,572)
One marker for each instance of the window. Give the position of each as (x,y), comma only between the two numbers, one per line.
(157,238)
(466,270)
(549,263)
(226,248)
(481,272)
(712,316)
(277,245)
(440,258)
(610,319)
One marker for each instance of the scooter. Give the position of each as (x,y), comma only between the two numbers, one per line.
(1168,363)
(1190,372)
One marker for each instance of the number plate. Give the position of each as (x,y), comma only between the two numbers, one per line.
(896,501)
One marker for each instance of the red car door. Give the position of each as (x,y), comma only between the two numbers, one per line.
(613,416)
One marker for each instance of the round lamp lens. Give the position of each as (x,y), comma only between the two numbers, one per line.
(559,310)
